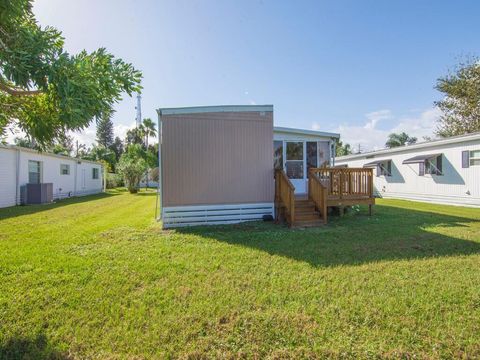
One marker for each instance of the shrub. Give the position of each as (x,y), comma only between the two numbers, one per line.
(132,166)
(114,180)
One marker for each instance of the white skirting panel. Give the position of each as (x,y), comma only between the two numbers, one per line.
(178,216)
(435,199)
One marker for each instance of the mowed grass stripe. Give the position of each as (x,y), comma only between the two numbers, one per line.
(97,278)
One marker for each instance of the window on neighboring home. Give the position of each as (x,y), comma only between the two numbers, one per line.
(474,157)
(95,173)
(34,172)
(433,166)
(427,164)
(384,168)
(64,169)
(278,154)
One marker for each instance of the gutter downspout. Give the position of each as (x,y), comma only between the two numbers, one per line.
(17,177)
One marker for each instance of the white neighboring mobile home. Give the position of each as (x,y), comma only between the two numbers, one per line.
(445,171)
(68,176)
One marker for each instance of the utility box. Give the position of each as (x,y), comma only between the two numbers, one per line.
(37,193)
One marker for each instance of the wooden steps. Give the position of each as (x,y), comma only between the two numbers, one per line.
(306,215)
(327,187)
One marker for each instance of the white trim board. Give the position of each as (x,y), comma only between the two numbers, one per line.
(181,216)
(286,130)
(217,108)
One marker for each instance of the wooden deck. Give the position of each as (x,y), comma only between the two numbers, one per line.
(327,187)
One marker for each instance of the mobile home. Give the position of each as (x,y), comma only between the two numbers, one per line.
(67,176)
(443,171)
(217,162)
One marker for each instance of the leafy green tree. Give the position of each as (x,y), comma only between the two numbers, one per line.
(342,149)
(105,130)
(134,136)
(132,166)
(395,140)
(79,149)
(44,90)
(461,103)
(62,145)
(117,148)
(101,153)
(24,142)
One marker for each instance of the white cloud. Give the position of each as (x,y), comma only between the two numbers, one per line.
(86,136)
(376,116)
(369,137)
(419,126)
(120,130)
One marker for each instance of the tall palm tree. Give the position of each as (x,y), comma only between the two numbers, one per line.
(149,129)
(395,140)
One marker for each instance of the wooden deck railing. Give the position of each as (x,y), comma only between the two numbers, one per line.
(317,192)
(346,183)
(285,195)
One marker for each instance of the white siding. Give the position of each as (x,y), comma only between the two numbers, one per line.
(7,177)
(64,186)
(457,185)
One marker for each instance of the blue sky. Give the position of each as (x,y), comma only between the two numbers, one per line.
(361,68)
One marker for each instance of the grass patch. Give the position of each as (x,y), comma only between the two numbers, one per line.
(96,277)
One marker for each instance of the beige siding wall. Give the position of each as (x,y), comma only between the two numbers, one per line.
(217,158)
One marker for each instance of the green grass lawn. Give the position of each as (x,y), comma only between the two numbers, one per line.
(96,277)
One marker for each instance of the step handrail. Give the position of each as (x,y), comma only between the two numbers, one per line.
(285,194)
(317,192)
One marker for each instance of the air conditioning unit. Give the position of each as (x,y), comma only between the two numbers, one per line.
(36,193)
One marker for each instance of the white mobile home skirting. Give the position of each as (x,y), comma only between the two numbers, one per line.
(178,216)
(433,198)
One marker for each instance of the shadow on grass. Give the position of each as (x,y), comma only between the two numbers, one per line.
(390,234)
(25,348)
(146,193)
(21,210)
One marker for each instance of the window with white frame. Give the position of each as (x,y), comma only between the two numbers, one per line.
(474,157)
(95,173)
(64,169)
(34,172)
